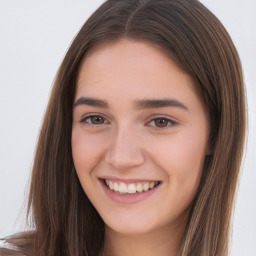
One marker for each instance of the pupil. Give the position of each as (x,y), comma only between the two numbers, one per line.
(161,122)
(97,120)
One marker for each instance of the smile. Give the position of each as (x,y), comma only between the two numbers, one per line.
(131,188)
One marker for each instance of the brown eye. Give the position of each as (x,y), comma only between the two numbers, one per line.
(162,122)
(94,120)
(97,120)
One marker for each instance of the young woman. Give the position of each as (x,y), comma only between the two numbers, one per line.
(141,145)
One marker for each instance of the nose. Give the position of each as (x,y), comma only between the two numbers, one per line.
(124,151)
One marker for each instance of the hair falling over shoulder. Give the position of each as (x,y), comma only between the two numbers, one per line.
(65,223)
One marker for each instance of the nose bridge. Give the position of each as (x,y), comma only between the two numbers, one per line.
(125,149)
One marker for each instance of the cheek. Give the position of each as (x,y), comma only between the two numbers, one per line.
(86,150)
(181,156)
(181,151)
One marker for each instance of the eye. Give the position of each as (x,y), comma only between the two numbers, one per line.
(94,120)
(162,122)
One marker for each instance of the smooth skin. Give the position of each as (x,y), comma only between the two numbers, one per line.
(123,138)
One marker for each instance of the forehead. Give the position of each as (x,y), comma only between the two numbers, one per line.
(131,68)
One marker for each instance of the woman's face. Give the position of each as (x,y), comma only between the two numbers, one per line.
(139,138)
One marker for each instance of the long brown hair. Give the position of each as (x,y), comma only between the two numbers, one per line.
(64,220)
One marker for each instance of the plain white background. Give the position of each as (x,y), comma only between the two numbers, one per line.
(34,36)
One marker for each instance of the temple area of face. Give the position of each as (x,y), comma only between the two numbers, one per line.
(138,104)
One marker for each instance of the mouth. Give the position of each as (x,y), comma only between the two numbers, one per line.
(132,188)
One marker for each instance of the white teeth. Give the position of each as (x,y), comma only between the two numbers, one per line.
(115,186)
(123,188)
(146,186)
(131,188)
(139,187)
(111,185)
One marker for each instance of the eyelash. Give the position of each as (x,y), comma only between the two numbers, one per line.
(170,122)
(83,121)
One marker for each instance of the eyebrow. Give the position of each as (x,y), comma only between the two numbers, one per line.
(91,102)
(139,104)
(159,103)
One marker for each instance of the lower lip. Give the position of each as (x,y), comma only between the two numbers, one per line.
(128,198)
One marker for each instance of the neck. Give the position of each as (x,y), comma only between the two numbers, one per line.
(162,242)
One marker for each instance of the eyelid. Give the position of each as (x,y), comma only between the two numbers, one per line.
(171,122)
(87,116)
